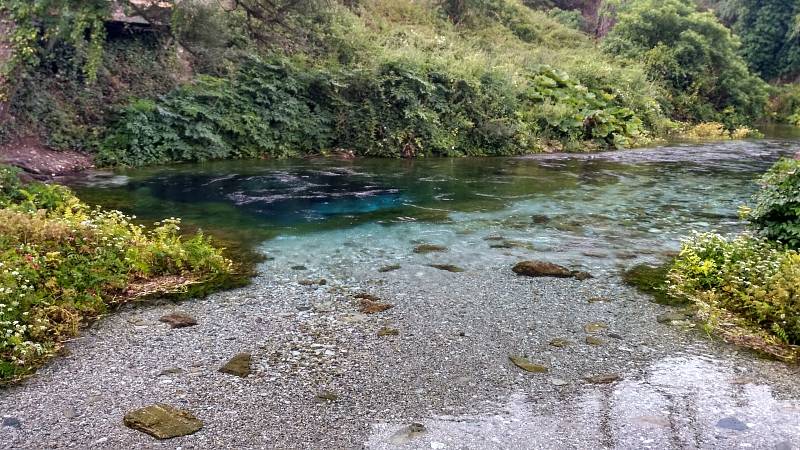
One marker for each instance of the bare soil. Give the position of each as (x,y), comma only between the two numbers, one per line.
(41,162)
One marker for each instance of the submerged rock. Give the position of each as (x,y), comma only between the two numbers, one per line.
(389,268)
(239,365)
(429,248)
(306,282)
(526,365)
(327,397)
(447,267)
(560,342)
(605,378)
(407,433)
(594,340)
(178,320)
(369,304)
(11,422)
(299,267)
(581,275)
(388,331)
(594,327)
(541,269)
(732,423)
(599,299)
(163,421)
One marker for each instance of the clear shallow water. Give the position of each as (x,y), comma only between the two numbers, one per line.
(598,211)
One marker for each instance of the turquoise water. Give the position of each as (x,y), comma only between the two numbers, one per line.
(598,211)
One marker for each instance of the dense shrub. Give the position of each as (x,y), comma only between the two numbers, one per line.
(694,56)
(776,210)
(747,276)
(63,263)
(401,108)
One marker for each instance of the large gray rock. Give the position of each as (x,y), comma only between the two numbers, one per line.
(163,421)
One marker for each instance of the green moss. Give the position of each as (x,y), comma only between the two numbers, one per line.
(652,280)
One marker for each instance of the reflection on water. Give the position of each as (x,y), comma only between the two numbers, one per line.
(622,203)
(686,401)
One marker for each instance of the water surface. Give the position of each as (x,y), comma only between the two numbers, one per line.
(594,210)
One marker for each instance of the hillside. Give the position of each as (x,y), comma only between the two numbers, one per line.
(372,77)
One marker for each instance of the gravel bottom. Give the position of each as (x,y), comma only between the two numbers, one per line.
(446,369)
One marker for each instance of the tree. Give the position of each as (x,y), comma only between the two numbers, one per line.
(694,56)
(769,33)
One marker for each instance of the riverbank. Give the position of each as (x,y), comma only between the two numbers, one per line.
(446,369)
(41,163)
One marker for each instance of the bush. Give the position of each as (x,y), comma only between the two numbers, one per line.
(284,108)
(694,56)
(776,213)
(63,264)
(747,276)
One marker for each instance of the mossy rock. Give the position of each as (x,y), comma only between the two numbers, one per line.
(652,280)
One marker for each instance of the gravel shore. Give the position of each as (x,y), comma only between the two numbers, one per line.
(447,370)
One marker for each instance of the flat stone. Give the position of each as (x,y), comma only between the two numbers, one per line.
(307,282)
(447,267)
(594,327)
(239,365)
(605,378)
(594,340)
(541,269)
(178,320)
(732,423)
(299,267)
(163,421)
(599,299)
(528,366)
(388,331)
(560,342)
(389,268)
(615,335)
(558,382)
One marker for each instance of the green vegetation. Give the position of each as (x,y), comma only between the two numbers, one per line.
(380,78)
(748,287)
(776,212)
(694,56)
(63,264)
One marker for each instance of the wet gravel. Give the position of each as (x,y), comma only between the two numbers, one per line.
(447,369)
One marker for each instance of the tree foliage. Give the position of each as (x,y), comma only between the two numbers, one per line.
(768,30)
(694,56)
